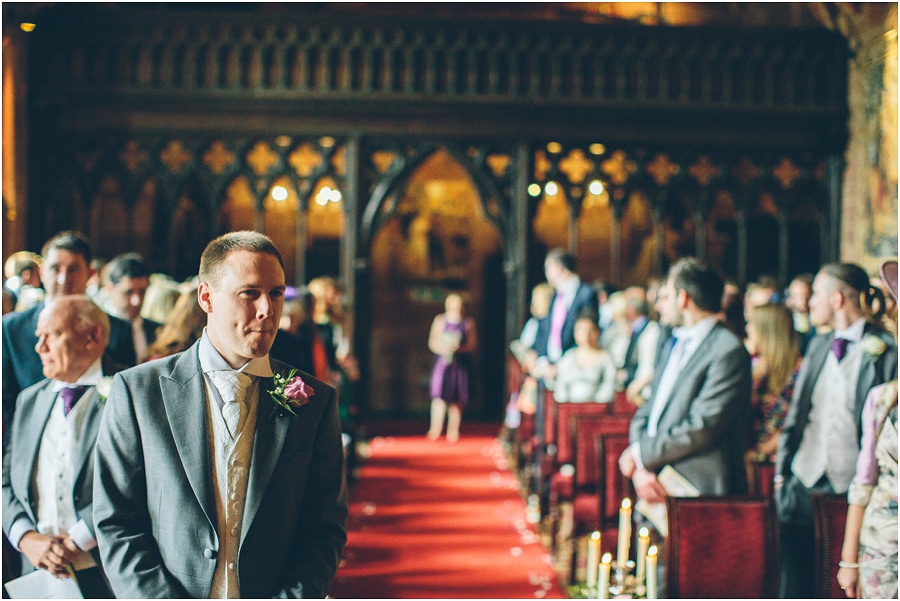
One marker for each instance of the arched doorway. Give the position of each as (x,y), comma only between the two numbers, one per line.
(437,239)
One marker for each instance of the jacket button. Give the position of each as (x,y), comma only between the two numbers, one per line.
(209,553)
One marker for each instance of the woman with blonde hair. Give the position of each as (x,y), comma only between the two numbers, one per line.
(453,340)
(182,327)
(772,342)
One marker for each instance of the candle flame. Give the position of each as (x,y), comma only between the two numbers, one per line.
(595,535)
(607,558)
(643,532)
(626,503)
(652,551)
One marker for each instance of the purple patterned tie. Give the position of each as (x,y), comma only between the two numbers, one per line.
(70,396)
(839,347)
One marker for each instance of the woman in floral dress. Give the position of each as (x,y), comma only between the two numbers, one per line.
(868,567)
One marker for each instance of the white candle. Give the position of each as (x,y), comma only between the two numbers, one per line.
(651,573)
(593,558)
(603,584)
(643,546)
(624,534)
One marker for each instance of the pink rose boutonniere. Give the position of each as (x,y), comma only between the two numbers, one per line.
(290,391)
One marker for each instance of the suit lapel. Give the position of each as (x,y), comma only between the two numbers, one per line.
(43,405)
(185,401)
(271,430)
(867,373)
(90,427)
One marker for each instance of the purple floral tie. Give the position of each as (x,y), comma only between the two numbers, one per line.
(70,396)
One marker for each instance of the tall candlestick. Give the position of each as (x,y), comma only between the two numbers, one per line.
(643,546)
(651,573)
(593,558)
(603,584)
(624,533)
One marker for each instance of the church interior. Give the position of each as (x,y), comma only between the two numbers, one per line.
(413,150)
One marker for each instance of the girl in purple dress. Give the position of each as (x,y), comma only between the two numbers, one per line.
(452,339)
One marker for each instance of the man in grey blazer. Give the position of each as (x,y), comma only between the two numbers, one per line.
(189,503)
(696,418)
(820,442)
(48,467)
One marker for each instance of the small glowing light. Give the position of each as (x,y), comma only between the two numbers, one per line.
(27,27)
(283,141)
(554,147)
(597,148)
(335,195)
(321,200)
(279,193)
(534,189)
(326,142)
(551,189)
(323,196)
(596,187)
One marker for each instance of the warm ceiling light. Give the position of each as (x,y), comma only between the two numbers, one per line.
(554,147)
(27,27)
(551,189)
(326,142)
(596,187)
(279,193)
(534,190)
(597,148)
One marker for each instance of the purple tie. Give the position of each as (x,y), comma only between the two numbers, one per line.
(70,396)
(839,347)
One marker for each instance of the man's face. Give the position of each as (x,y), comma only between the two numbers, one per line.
(128,295)
(798,297)
(821,309)
(66,350)
(667,305)
(554,273)
(64,272)
(244,306)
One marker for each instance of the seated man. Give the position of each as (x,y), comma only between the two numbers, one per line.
(48,467)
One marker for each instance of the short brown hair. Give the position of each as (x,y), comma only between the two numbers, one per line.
(218,250)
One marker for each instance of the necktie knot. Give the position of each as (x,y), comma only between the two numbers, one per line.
(232,387)
(839,347)
(70,395)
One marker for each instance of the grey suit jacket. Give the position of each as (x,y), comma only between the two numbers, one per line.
(154,503)
(703,428)
(33,410)
(872,372)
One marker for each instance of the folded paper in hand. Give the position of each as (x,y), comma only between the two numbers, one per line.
(41,584)
(676,485)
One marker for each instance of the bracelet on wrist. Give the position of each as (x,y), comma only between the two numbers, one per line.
(848,564)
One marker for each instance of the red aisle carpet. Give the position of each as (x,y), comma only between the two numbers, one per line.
(438,520)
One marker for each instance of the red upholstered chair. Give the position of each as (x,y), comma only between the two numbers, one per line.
(760,478)
(621,405)
(721,547)
(829,520)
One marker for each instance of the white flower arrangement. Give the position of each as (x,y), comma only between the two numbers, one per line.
(873,346)
(104,385)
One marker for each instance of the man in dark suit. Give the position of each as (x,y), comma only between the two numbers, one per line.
(128,278)
(218,474)
(48,467)
(65,269)
(696,418)
(556,331)
(818,448)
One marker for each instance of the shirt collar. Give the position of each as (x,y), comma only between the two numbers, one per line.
(698,331)
(639,323)
(569,287)
(90,377)
(211,360)
(854,333)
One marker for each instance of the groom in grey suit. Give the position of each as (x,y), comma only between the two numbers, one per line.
(208,490)
(696,418)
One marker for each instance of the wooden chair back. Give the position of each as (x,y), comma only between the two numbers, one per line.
(760,478)
(588,429)
(829,520)
(566,416)
(613,485)
(721,547)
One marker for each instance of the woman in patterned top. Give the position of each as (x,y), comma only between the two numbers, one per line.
(772,343)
